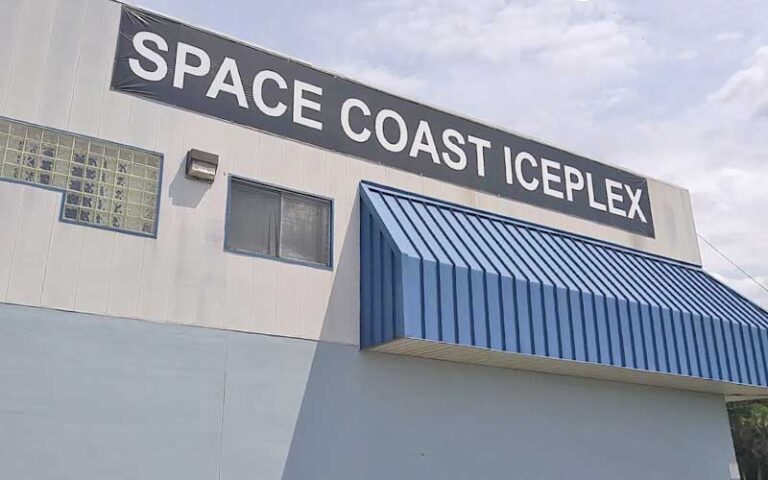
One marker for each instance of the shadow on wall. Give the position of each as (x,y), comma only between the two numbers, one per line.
(374,416)
(185,192)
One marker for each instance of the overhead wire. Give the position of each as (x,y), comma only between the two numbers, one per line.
(746,274)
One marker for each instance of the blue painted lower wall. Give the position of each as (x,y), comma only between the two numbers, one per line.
(88,397)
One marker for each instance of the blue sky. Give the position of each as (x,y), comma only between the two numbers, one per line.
(676,90)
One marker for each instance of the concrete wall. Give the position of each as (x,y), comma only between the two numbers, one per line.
(58,56)
(92,397)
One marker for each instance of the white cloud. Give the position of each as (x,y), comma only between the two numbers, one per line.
(382,77)
(748,88)
(729,36)
(582,40)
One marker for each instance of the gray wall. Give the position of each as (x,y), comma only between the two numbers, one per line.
(92,397)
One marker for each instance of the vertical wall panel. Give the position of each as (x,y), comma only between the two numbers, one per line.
(93,66)
(9,44)
(93,275)
(263,311)
(62,266)
(11,198)
(54,111)
(62,61)
(128,256)
(212,308)
(270,159)
(186,281)
(26,85)
(38,209)
(239,293)
(160,254)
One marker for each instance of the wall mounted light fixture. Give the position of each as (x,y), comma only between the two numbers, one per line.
(202,165)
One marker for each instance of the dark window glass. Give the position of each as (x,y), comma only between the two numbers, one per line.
(278,223)
(254,222)
(304,229)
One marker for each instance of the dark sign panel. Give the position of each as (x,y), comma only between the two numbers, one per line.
(176,64)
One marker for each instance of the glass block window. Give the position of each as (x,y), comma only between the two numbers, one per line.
(104,184)
(273,222)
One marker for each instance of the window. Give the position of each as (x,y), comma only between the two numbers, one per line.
(104,184)
(274,222)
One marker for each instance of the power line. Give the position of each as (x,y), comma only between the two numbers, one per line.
(732,263)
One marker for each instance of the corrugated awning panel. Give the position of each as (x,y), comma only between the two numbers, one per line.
(444,273)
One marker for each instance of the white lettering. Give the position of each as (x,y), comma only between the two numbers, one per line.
(574,180)
(509,176)
(610,186)
(530,185)
(449,137)
(139,43)
(423,141)
(258,92)
(183,68)
(480,146)
(402,139)
(349,104)
(548,177)
(300,103)
(634,207)
(591,193)
(228,69)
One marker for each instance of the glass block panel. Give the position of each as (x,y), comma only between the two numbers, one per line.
(64,153)
(32,146)
(70,213)
(89,187)
(150,200)
(50,137)
(103,184)
(18,129)
(44,178)
(133,223)
(60,181)
(134,210)
(66,140)
(110,164)
(87,201)
(28,175)
(46,164)
(13,157)
(35,134)
(102,219)
(62,167)
(15,142)
(134,196)
(48,150)
(10,171)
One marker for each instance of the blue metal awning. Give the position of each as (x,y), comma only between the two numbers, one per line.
(448,282)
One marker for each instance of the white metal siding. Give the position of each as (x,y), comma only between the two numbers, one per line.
(61,55)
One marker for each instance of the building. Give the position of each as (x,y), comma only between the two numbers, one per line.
(220,263)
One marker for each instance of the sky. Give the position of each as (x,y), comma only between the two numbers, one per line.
(675,90)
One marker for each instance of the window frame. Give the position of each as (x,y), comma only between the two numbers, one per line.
(280,190)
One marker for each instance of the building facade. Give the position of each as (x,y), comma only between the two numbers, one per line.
(217,262)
